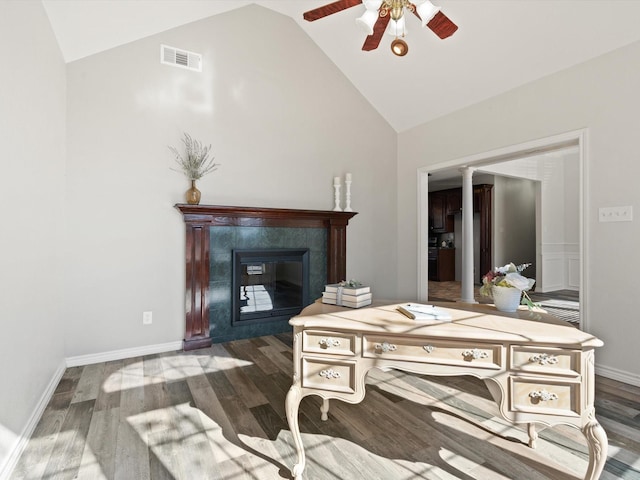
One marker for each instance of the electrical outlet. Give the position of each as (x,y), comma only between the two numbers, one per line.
(147,318)
(615,214)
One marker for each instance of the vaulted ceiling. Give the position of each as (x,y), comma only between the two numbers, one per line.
(500,44)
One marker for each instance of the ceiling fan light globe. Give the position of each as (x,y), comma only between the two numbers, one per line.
(427,11)
(397,28)
(372,4)
(399,47)
(367,21)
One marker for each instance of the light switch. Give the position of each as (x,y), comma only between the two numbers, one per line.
(616,214)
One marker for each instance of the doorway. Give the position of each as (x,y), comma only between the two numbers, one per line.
(558,268)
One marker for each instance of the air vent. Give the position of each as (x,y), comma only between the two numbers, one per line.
(180,58)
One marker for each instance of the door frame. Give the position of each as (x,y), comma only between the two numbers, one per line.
(512,152)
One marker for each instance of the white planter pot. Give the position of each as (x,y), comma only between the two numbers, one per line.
(506,299)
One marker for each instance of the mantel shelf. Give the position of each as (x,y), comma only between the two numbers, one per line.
(259,216)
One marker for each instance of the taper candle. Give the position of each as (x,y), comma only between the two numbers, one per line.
(347,183)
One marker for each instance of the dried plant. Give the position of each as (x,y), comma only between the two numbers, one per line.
(196,162)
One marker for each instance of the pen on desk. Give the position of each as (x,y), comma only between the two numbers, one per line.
(406,313)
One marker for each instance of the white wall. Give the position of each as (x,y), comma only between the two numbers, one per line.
(557,265)
(571,226)
(514,222)
(32,130)
(560,233)
(600,95)
(283,121)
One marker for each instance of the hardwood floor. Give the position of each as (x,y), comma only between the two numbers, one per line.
(218,413)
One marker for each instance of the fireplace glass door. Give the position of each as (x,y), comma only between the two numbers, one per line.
(269,284)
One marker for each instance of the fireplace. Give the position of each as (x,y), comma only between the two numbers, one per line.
(269,284)
(214,232)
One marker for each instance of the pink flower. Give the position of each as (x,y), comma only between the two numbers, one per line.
(490,276)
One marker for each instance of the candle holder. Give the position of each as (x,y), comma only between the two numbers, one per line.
(336,188)
(347,193)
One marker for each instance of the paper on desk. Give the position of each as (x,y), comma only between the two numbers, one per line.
(418,311)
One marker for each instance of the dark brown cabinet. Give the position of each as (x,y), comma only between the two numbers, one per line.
(444,204)
(437,213)
(482,205)
(442,264)
(454,201)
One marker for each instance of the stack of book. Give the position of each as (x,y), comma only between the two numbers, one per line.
(347,296)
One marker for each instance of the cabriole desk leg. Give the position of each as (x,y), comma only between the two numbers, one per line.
(533,435)
(598,445)
(292,404)
(324,410)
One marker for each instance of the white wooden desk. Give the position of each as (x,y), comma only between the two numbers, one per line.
(537,368)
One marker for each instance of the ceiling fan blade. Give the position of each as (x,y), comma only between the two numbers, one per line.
(442,26)
(329,9)
(372,41)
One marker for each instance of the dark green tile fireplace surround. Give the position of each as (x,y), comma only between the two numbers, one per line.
(224,240)
(212,232)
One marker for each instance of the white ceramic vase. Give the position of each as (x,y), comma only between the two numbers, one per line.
(506,299)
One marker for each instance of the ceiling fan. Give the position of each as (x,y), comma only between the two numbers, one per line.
(388,15)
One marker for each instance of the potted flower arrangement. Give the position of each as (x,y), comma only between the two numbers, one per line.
(508,287)
(194,164)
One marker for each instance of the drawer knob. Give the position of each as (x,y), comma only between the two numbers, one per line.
(544,359)
(385,347)
(543,396)
(475,354)
(329,374)
(329,342)
(429,348)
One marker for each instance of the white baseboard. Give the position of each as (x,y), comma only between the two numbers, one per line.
(619,375)
(6,469)
(81,360)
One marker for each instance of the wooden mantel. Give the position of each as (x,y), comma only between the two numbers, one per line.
(199,218)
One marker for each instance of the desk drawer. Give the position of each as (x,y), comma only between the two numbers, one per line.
(316,341)
(545,360)
(438,352)
(328,375)
(545,396)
